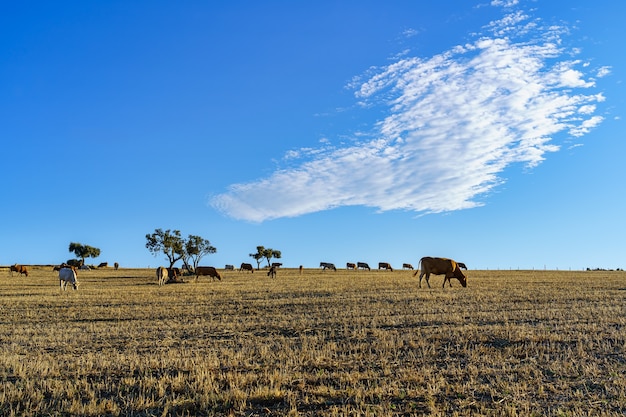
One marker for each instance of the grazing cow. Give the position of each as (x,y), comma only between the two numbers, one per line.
(440,266)
(208,270)
(162,275)
(363,265)
(75,262)
(229,267)
(407,266)
(461,265)
(272,272)
(385,265)
(67,275)
(103,265)
(20,269)
(246,267)
(174,273)
(63,265)
(328,265)
(116,266)
(277,264)
(350,265)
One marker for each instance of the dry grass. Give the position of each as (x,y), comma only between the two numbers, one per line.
(346,343)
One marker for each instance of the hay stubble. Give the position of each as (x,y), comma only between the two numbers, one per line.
(324,343)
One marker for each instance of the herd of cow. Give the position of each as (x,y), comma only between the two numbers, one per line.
(426,267)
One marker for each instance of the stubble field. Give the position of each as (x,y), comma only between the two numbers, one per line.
(544,343)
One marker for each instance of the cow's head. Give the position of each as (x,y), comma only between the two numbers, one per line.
(459,275)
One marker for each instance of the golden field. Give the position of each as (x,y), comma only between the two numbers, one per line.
(513,343)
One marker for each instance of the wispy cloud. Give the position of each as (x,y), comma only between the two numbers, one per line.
(454,122)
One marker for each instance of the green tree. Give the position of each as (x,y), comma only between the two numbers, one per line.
(168,242)
(84,251)
(196,248)
(265,253)
(258,256)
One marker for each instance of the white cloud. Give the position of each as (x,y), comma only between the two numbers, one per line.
(603,72)
(504,3)
(454,122)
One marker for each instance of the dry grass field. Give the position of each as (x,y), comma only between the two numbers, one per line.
(513,343)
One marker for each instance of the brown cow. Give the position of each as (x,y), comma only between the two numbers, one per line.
(116,266)
(208,270)
(440,266)
(272,272)
(246,267)
(407,266)
(350,265)
(385,265)
(21,269)
(103,265)
(63,265)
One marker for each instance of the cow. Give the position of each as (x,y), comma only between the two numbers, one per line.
(174,273)
(327,265)
(75,262)
(440,266)
(301,268)
(272,272)
(385,265)
(246,267)
(67,275)
(208,270)
(350,265)
(162,275)
(277,264)
(363,265)
(20,269)
(116,266)
(63,265)
(461,265)
(229,267)
(407,266)
(103,265)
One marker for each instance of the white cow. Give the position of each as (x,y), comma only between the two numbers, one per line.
(162,274)
(67,275)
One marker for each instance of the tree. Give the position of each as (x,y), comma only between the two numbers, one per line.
(195,249)
(84,251)
(271,253)
(263,253)
(168,242)
(258,256)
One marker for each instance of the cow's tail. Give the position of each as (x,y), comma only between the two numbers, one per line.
(419,267)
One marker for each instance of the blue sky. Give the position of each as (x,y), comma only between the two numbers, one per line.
(489,131)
